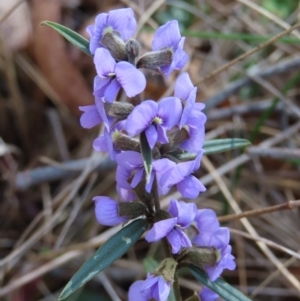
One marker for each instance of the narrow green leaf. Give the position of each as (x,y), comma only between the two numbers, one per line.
(223,145)
(146,154)
(110,251)
(72,36)
(219,286)
(183,157)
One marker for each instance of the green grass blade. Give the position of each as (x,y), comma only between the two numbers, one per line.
(110,251)
(223,145)
(222,288)
(76,39)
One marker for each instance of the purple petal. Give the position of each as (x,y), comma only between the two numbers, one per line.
(141,117)
(151,135)
(106,210)
(90,117)
(100,144)
(199,106)
(112,90)
(167,35)
(185,212)
(160,229)
(163,290)
(185,241)
(122,176)
(100,85)
(220,238)
(126,194)
(137,177)
(96,30)
(123,21)
(196,132)
(180,57)
(190,187)
(197,160)
(207,295)
(131,79)
(162,165)
(130,159)
(162,134)
(188,107)
(100,107)
(183,86)
(104,63)
(177,239)
(149,184)
(169,110)
(90,30)
(135,293)
(177,174)
(207,221)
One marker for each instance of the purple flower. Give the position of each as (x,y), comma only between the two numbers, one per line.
(196,130)
(154,287)
(208,295)
(94,115)
(168,37)
(120,21)
(106,210)
(219,240)
(181,176)
(172,228)
(90,116)
(131,165)
(207,223)
(186,92)
(104,143)
(113,76)
(155,119)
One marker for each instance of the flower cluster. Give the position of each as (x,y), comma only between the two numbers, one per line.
(170,130)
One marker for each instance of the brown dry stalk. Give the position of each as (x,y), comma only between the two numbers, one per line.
(290,205)
(248,53)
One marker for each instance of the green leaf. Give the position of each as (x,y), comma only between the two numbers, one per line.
(110,251)
(223,145)
(72,36)
(146,154)
(219,286)
(150,264)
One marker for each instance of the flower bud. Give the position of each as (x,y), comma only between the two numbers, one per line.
(167,269)
(131,209)
(199,257)
(195,297)
(119,110)
(175,136)
(132,49)
(125,143)
(107,213)
(115,46)
(155,59)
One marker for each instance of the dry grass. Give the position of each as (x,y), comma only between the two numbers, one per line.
(47,222)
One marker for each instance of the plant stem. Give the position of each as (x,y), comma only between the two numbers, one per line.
(288,205)
(155,194)
(176,288)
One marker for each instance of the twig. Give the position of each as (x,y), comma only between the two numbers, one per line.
(267,242)
(290,205)
(231,89)
(274,152)
(242,109)
(26,179)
